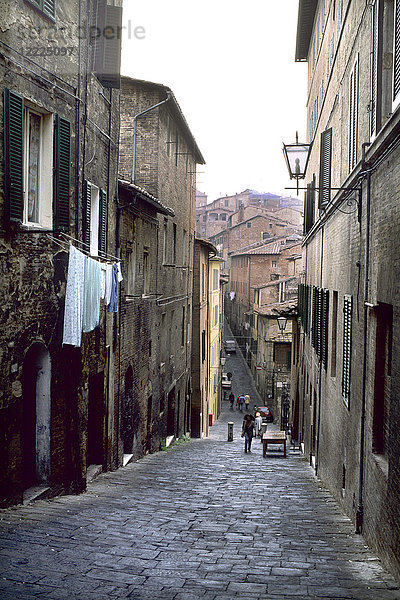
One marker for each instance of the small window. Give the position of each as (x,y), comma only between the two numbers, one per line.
(94,218)
(274,264)
(165,241)
(223,217)
(215,279)
(248,224)
(146,272)
(174,244)
(184,250)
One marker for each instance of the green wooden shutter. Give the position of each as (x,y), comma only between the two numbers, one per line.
(62,172)
(86,210)
(102,221)
(49,8)
(346,368)
(324,331)
(14,154)
(396,58)
(325,168)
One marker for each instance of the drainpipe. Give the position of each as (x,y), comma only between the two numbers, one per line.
(134,129)
(360,507)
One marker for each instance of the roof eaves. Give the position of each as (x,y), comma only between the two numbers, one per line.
(196,151)
(305,22)
(146,197)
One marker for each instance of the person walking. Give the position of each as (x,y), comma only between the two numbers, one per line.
(258,422)
(241,402)
(247,401)
(248,431)
(231,399)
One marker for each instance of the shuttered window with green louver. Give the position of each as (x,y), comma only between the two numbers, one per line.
(376,68)
(346,367)
(396,57)
(14,154)
(103,221)
(47,7)
(325,168)
(86,213)
(353,116)
(62,172)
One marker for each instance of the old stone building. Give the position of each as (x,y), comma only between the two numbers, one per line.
(346,384)
(251,268)
(270,348)
(59,137)
(202,323)
(214,217)
(158,157)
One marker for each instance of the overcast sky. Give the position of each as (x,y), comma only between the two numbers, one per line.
(231,67)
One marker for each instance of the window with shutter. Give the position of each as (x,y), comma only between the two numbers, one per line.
(28,158)
(47,7)
(86,210)
(396,56)
(62,172)
(324,328)
(314,316)
(376,68)
(325,168)
(103,209)
(346,367)
(107,43)
(353,116)
(14,154)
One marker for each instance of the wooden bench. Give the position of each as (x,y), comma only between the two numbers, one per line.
(274,437)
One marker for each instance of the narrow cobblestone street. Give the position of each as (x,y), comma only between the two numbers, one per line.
(200,520)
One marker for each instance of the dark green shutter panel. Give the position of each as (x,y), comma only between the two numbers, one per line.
(374,68)
(346,368)
(62,172)
(86,209)
(102,221)
(324,333)
(325,168)
(49,8)
(314,316)
(396,58)
(14,154)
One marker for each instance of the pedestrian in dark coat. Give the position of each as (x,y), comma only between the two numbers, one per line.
(248,431)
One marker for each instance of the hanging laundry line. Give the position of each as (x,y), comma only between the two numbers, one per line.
(108,257)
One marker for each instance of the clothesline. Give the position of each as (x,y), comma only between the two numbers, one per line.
(110,257)
(88,282)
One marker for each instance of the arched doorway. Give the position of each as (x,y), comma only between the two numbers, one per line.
(37,415)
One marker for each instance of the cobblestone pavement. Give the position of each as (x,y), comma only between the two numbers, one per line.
(201,520)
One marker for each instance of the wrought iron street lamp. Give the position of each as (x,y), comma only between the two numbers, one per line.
(296,156)
(282,323)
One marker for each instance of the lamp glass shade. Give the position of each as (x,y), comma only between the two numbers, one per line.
(223,360)
(296,156)
(282,323)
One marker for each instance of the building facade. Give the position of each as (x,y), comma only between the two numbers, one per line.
(59,138)
(346,381)
(158,157)
(201,356)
